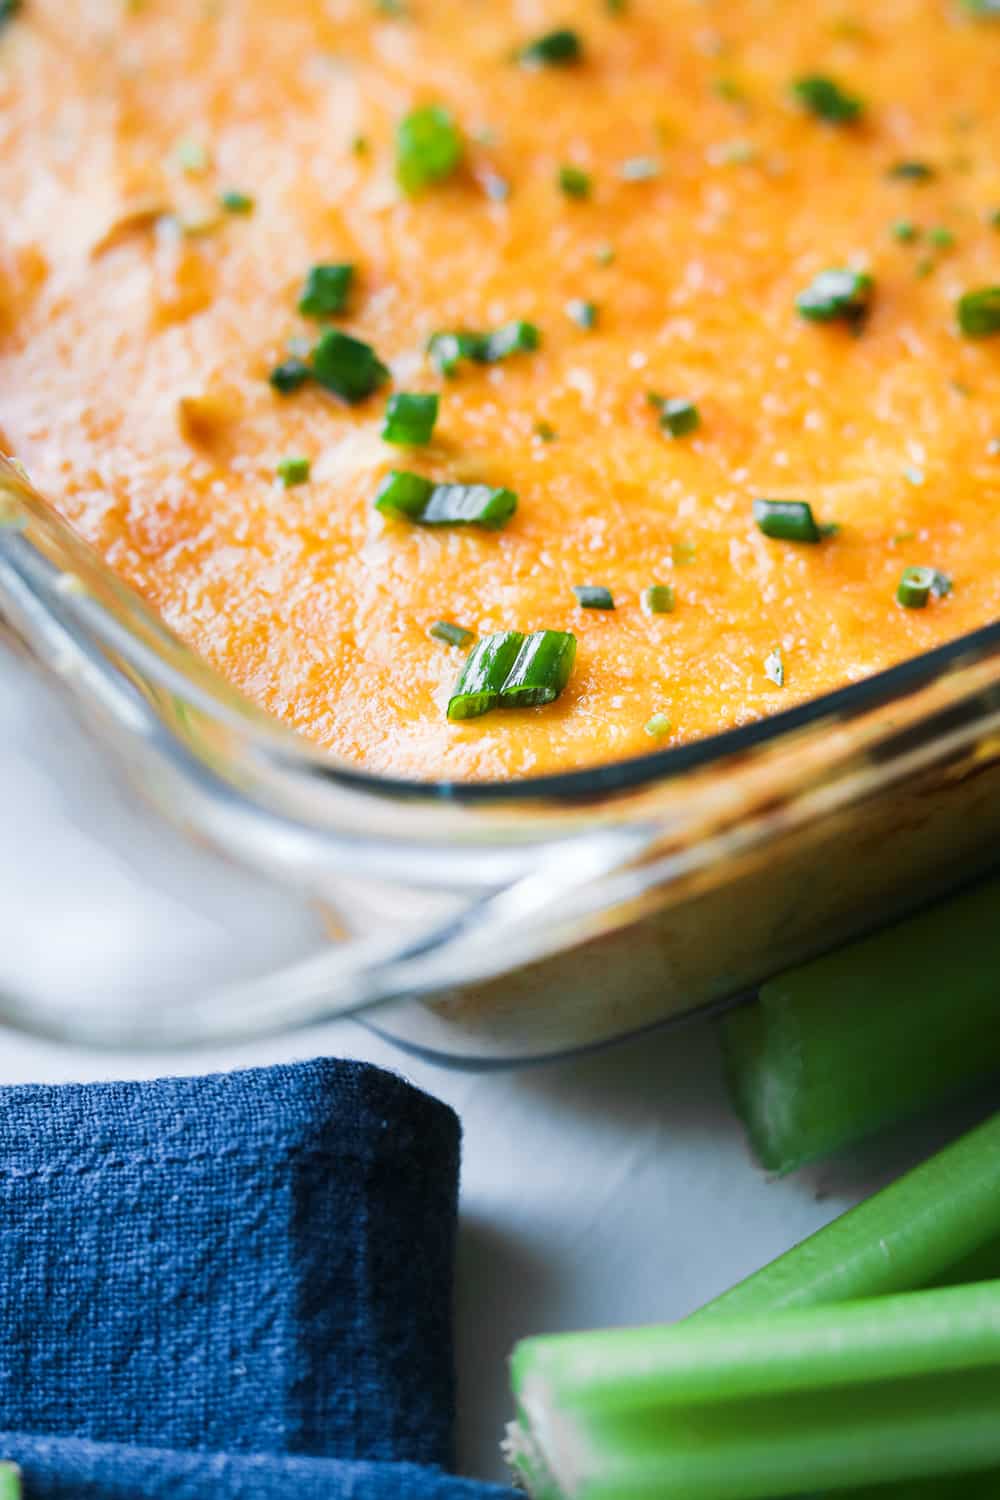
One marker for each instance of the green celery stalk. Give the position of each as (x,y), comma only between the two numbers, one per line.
(871,1034)
(10,1482)
(765,1406)
(939,1223)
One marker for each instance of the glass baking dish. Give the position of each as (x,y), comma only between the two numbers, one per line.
(497,922)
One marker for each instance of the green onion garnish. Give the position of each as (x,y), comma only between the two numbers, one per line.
(347,367)
(640,169)
(10,1474)
(774,667)
(941,237)
(293,470)
(235,202)
(915,587)
(979,313)
(511,670)
(428,148)
(605,255)
(8,10)
(911,171)
(326,291)
(541,669)
(517,337)
(545,432)
(290,375)
(839,294)
(659,599)
(574,182)
(593,596)
(409,419)
(787,521)
(555,49)
(452,635)
(825,99)
(411,497)
(657,726)
(485,671)
(983,10)
(447,350)
(192,157)
(583,314)
(678,415)
(904,230)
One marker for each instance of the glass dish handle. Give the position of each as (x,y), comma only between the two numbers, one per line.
(120,929)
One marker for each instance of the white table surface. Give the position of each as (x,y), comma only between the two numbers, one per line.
(609,1189)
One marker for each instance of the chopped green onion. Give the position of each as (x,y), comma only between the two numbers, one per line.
(593,596)
(447,350)
(290,375)
(293,470)
(659,599)
(411,497)
(10,1474)
(984,10)
(616,7)
(428,148)
(605,255)
(911,171)
(993,218)
(678,415)
(511,670)
(192,157)
(657,726)
(682,554)
(868,1035)
(360,145)
(518,337)
(787,520)
(8,10)
(915,587)
(574,182)
(326,291)
(979,313)
(347,367)
(452,635)
(904,230)
(583,314)
(774,667)
(555,49)
(640,169)
(837,294)
(235,202)
(541,669)
(409,419)
(824,98)
(483,675)
(394,8)
(941,237)
(545,432)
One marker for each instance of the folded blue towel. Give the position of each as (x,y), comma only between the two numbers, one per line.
(202,1269)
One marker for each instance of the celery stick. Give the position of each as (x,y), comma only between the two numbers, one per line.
(10,1482)
(756,1408)
(844,1045)
(940,1219)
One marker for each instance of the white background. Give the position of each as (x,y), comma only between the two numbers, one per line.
(609,1189)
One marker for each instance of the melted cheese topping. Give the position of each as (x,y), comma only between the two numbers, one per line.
(138,325)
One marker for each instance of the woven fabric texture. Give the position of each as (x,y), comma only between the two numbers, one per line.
(254,1263)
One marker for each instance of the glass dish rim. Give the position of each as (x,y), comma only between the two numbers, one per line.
(638,771)
(136,618)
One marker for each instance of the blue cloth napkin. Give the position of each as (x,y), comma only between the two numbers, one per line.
(229,1286)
